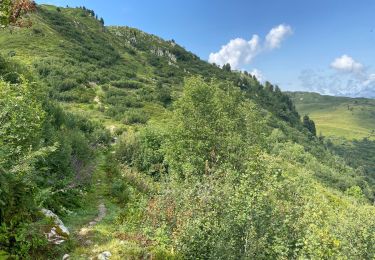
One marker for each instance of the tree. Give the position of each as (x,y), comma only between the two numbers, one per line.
(309,124)
(12,11)
(102,21)
(227,67)
(268,86)
(214,126)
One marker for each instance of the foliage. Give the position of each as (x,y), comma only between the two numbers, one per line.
(11,11)
(309,124)
(21,118)
(247,203)
(44,158)
(228,128)
(207,163)
(360,154)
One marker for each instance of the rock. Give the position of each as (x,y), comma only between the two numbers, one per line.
(60,227)
(66,257)
(55,238)
(105,255)
(84,231)
(59,232)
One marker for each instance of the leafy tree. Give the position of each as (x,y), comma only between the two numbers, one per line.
(21,118)
(11,12)
(227,67)
(309,124)
(212,126)
(268,86)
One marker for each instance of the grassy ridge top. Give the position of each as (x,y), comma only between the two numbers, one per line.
(352,118)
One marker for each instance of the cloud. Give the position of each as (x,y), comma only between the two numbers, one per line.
(351,79)
(369,80)
(347,64)
(277,35)
(318,81)
(239,52)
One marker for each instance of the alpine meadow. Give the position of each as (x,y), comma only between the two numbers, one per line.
(118,144)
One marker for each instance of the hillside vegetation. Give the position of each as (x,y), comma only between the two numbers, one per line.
(352,118)
(185,159)
(347,124)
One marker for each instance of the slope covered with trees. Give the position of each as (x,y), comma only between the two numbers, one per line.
(347,124)
(193,161)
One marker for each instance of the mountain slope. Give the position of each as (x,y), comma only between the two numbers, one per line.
(352,118)
(129,72)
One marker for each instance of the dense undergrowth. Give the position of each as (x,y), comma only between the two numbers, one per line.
(46,160)
(231,189)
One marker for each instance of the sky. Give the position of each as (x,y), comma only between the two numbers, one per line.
(325,46)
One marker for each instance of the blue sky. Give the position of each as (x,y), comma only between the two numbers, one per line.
(313,37)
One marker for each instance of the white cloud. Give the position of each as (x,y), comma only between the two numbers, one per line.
(369,80)
(353,79)
(277,35)
(258,74)
(347,64)
(239,52)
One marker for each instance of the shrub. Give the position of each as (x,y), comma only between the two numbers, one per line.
(37,31)
(135,117)
(120,191)
(150,157)
(126,84)
(101,136)
(128,148)
(67,84)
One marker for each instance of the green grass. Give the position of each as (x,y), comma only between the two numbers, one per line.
(352,118)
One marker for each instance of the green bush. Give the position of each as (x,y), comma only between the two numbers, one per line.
(120,191)
(67,84)
(127,84)
(135,117)
(101,136)
(127,148)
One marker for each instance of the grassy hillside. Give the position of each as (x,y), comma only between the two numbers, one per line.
(146,151)
(116,73)
(352,118)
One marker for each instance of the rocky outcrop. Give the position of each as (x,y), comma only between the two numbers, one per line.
(59,232)
(105,255)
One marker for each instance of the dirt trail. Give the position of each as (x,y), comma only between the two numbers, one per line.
(102,213)
(84,233)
